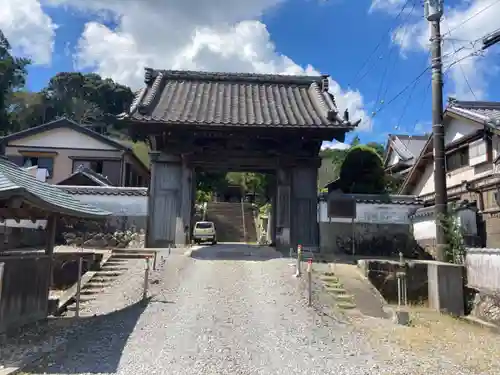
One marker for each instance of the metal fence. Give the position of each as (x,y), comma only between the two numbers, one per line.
(483,269)
(24,289)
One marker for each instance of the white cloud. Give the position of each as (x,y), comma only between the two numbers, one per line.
(463,27)
(29,30)
(391,6)
(218,35)
(334,146)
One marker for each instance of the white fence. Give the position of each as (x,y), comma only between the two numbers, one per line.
(483,269)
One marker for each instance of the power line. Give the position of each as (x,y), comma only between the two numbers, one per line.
(418,77)
(471,17)
(405,106)
(405,29)
(462,70)
(355,79)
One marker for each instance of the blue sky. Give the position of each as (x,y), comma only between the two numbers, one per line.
(116,38)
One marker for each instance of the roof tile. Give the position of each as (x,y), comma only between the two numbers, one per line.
(236,99)
(16,181)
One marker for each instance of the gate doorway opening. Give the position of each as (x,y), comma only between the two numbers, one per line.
(199,121)
(233,200)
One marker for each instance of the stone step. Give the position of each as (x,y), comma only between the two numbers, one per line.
(108,273)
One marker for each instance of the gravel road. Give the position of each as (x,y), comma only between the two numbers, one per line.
(226,309)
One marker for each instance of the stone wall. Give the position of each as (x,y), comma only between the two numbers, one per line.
(382,274)
(115,232)
(369,239)
(486,306)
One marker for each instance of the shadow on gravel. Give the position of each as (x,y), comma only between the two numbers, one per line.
(241,252)
(96,347)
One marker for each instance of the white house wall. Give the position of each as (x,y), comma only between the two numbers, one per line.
(118,205)
(62,138)
(457,129)
(454,178)
(454,130)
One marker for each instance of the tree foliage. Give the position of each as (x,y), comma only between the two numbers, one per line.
(12,78)
(362,171)
(84,98)
(87,98)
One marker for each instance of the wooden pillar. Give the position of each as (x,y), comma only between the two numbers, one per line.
(50,234)
(50,231)
(304,227)
(283,203)
(169,201)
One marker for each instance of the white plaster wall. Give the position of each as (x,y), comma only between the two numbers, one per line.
(118,205)
(454,178)
(62,138)
(424,229)
(372,213)
(457,129)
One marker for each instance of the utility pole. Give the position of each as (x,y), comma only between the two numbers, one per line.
(433,12)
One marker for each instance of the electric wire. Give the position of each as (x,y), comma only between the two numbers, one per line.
(356,80)
(462,69)
(471,17)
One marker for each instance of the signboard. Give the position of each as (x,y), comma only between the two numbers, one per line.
(341,207)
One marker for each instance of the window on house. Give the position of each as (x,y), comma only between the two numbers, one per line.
(41,162)
(457,159)
(96,166)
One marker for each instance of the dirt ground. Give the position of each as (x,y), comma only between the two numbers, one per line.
(473,347)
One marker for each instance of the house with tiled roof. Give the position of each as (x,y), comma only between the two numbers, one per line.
(472,147)
(69,150)
(402,151)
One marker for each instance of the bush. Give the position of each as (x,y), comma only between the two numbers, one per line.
(362,172)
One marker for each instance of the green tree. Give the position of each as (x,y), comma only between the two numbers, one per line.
(87,97)
(362,171)
(378,147)
(27,109)
(12,78)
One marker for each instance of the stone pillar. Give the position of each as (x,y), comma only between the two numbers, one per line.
(446,287)
(304,207)
(169,201)
(283,203)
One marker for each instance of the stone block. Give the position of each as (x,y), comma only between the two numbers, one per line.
(401,317)
(446,287)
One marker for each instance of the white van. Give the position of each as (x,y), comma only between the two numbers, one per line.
(204,231)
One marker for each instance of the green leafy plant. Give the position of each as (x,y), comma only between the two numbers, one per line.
(455,251)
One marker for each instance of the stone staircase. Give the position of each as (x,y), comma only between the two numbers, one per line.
(228,219)
(115,266)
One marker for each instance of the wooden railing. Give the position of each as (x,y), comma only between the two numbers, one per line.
(24,289)
(483,269)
